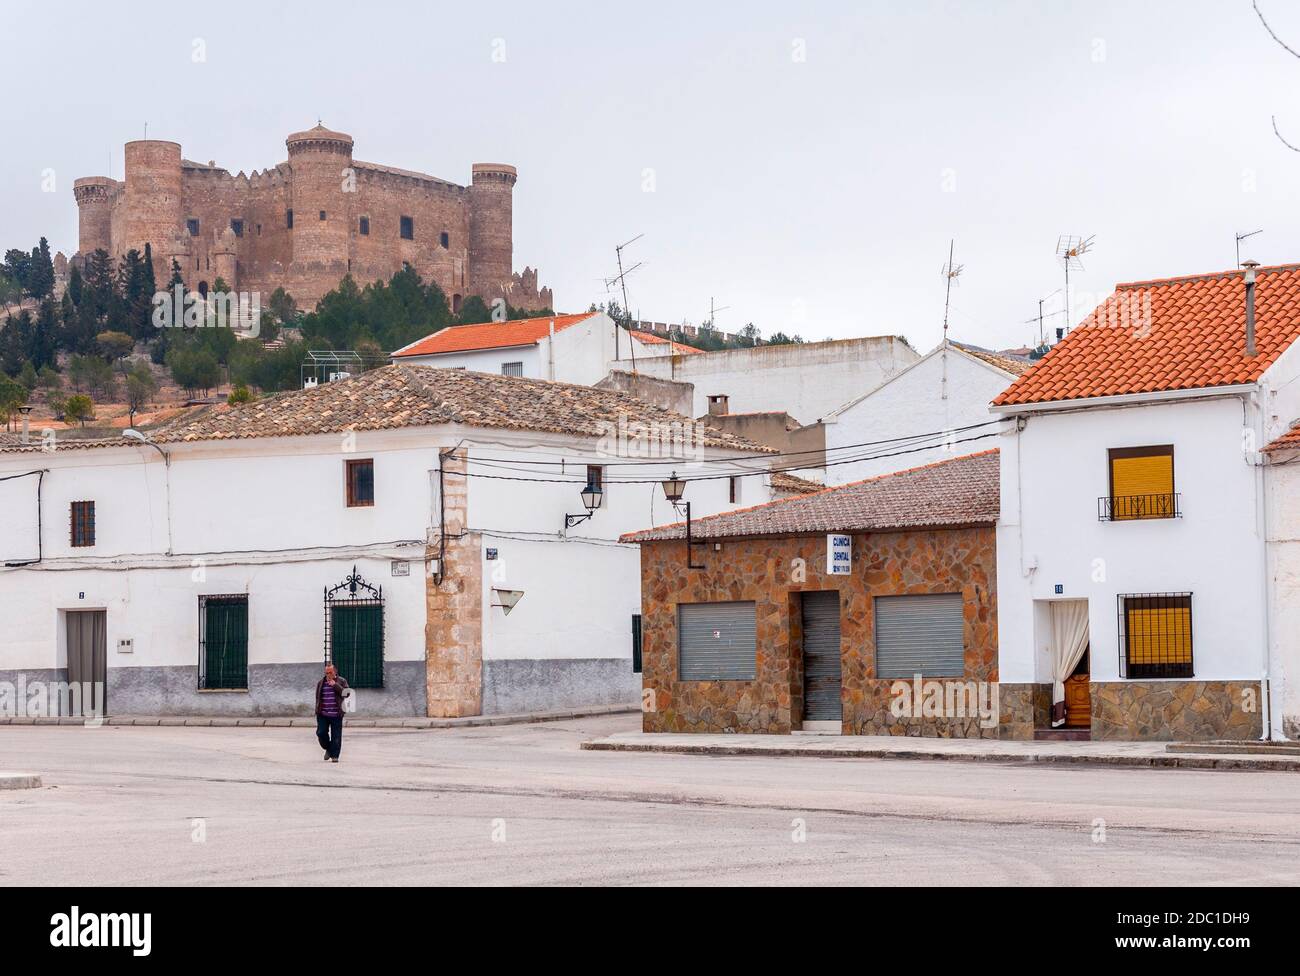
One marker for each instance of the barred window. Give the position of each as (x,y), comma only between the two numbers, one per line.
(408,228)
(223,642)
(512,369)
(360,476)
(1155,635)
(364,226)
(83,524)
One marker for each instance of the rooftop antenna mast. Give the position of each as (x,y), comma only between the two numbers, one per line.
(713,313)
(951,272)
(1042,335)
(622,279)
(1070,250)
(1242,237)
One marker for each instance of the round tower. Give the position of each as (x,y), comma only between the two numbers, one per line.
(223,259)
(152,200)
(322,211)
(491,196)
(94,196)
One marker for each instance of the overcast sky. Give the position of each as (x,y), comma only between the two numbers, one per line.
(803,163)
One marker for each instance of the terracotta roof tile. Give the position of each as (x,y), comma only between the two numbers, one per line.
(788,482)
(650,339)
(957,492)
(405,395)
(1007,364)
(1290,441)
(1171,334)
(490,335)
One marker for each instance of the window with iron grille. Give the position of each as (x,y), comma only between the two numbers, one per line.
(636,643)
(82,517)
(360,476)
(364,226)
(596,479)
(223,642)
(512,369)
(408,228)
(1155,635)
(1141,481)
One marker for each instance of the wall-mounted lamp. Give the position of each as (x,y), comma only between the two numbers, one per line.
(25,410)
(591,496)
(674,487)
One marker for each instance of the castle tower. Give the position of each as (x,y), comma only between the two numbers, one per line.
(152,200)
(491,196)
(322,211)
(94,213)
(223,259)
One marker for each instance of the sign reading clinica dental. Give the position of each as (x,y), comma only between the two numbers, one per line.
(839,555)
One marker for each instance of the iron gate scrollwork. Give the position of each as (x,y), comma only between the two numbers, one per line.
(354,631)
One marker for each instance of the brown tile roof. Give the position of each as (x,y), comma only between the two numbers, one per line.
(788,482)
(417,396)
(1005,363)
(490,335)
(1172,334)
(1290,441)
(957,492)
(650,339)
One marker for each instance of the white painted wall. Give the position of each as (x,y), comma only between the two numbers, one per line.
(265,517)
(913,402)
(1283,483)
(583,354)
(581,587)
(1054,471)
(807,381)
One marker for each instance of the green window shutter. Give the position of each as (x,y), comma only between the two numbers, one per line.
(225,643)
(357,644)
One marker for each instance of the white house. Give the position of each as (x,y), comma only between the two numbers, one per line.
(1133,588)
(936,408)
(806,380)
(426,529)
(1282,483)
(569,348)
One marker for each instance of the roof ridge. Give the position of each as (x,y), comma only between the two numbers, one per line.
(813,494)
(1203,276)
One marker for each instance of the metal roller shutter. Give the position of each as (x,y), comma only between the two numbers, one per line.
(919,635)
(821,656)
(716,641)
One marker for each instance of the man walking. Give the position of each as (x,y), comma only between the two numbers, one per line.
(330,693)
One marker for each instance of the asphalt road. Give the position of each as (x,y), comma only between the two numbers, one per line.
(523,805)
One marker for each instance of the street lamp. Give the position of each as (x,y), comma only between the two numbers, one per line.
(674,487)
(131,434)
(591,496)
(25,410)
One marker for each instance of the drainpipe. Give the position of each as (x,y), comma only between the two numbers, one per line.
(1261,495)
(550,351)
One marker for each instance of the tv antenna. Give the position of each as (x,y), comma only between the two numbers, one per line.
(1070,250)
(1242,237)
(1042,335)
(713,313)
(951,272)
(622,280)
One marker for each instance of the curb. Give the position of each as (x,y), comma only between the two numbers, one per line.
(1158,761)
(298,721)
(19,781)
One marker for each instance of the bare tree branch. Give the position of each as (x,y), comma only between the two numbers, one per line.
(1273,34)
(1279,136)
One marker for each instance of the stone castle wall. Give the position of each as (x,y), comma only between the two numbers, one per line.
(461,236)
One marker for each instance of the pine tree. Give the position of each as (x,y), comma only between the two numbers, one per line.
(40,280)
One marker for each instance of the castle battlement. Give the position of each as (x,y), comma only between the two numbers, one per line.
(304,223)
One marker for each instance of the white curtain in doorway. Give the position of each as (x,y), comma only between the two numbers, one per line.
(1069,641)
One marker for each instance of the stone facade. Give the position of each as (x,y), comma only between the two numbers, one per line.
(454,624)
(1183,711)
(305,223)
(773,572)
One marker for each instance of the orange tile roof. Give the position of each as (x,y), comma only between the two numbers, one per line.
(1171,334)
(654,340)
(1290,441)
(490,335)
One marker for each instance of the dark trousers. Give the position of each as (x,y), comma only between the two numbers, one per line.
(329,733)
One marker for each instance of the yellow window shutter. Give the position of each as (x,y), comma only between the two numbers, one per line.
(1150,475)
(1159,635)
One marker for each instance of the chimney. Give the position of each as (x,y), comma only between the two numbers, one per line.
(718,405)
(1249,278)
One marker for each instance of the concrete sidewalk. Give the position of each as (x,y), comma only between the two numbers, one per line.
(1146,755)
(358,722)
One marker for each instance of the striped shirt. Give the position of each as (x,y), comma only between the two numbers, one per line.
(329,700)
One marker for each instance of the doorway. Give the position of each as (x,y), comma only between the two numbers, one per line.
(1078,696)
(87,639)
(821,661)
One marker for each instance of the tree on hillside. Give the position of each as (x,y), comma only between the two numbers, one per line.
(78,409)
(140,388)
(472,311)
(12,396)
(115,347)
(40,278)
